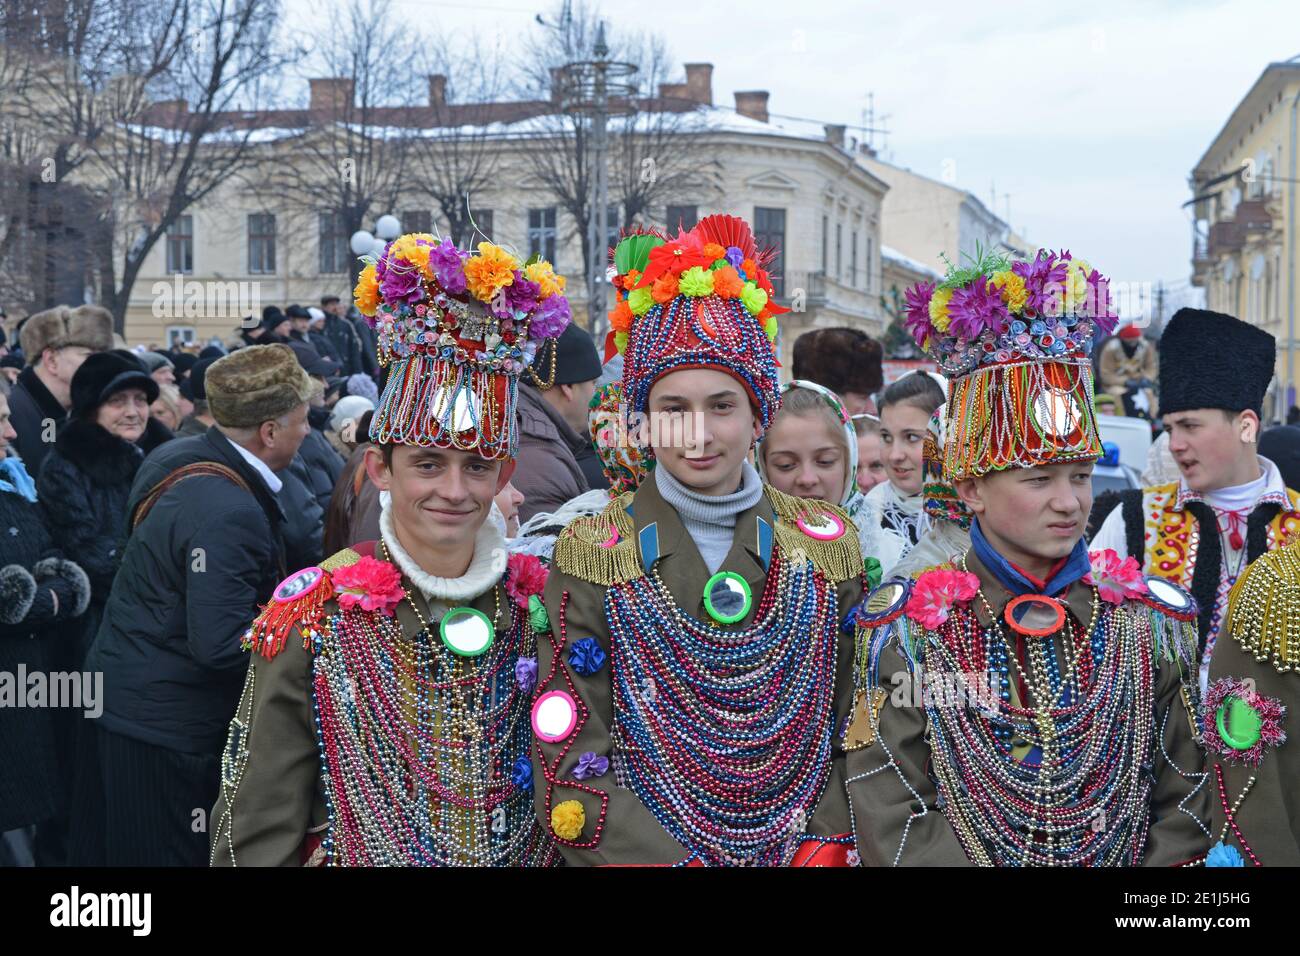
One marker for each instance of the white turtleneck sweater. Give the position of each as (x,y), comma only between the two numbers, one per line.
(485,569)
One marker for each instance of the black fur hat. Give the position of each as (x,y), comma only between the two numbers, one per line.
(1212,360)
(104,374)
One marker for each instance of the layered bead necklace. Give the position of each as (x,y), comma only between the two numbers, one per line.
(1080,795)
(418,745)
(724,733)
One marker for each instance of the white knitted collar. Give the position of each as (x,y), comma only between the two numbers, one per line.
(484,570)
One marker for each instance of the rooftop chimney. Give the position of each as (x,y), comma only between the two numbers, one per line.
(835,134)
(331,94)
(752,103)
(437,90)
(697,89)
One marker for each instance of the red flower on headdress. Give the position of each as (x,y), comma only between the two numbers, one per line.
(526,576)
(370,584)
(676,257)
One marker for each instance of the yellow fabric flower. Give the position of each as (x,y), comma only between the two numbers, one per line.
(1076,283)
(366,293)
(770,328)
(408,247)
(640,301)
(1012,289)
(753,298)
(939,317)
(568,819)
(620,342)
(492,269)
(543,273)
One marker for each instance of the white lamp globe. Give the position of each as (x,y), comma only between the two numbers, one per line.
(361,242)
(387,227)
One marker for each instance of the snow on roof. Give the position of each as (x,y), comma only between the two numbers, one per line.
(894,255)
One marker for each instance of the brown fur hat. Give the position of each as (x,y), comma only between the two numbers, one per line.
(841,359)
(256,384)
(87,325)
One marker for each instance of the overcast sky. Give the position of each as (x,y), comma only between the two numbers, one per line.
(1090,115)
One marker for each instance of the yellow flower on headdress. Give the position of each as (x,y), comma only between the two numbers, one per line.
(366,293)
(567,819)
(1076,283)
(543,273)
(490,270)
(410,248)
(753,298)
(1012,288)
(939,317)
(695,282)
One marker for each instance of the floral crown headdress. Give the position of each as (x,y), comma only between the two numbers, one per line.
(456,329)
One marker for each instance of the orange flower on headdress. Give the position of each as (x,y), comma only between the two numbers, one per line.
(714,251)
(620,319)
(366,293)
(489,271)
(665,288)
(726,282)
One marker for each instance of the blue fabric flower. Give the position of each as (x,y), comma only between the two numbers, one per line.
(590,765)
(1224,855)
(586,657)
(1017,327)
(1038,328)
(522,774)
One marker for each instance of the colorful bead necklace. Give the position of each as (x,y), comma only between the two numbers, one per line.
(724,733)
(418,746)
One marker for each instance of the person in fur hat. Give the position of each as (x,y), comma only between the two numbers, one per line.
(205,550)
(55,343)
(1230,504)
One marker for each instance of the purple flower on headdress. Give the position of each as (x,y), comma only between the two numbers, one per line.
(448,266)
(526,674)
(976,309)
(1100,305)
(550,319)
(520,296)
(402,284)
(1044,279)
(590,765)
(735,256)
(917,299)
(381,264)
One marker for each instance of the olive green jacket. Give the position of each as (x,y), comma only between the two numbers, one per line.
(1257,645)
(618,829)
(897,811)
(272,789)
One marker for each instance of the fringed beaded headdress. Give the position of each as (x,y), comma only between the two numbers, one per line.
(456,330)
(941,499)
(1014,338)
(701,300)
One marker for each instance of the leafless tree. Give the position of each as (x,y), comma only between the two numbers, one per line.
(349,154)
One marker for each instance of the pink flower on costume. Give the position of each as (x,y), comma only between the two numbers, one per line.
(1114,579)
(527,576)
(936,592)
(371,585)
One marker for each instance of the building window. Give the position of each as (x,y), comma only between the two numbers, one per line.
(482,226)
(870,264)
(261,243)
(541,233)
(180,245)
(334,251)
(685,216)
(839,252)
(769,233)
(178,335)
(417,220)
(853,259)
(613,226)
(826,244)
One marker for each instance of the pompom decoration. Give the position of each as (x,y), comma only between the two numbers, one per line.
(1014,337)
(369,584)
(937,592)
(1116,581)
(456,328)
(702,299)
(568,819)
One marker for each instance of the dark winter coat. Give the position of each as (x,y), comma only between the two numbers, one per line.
(30,404)
(346,342)
(31,631)
(192,577)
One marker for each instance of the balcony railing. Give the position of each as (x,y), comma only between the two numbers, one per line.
(1226,235)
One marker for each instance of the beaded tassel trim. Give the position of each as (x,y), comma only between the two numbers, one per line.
(1265,609)
(1018,416)
(602,549)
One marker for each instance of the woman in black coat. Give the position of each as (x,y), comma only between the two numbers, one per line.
(41,595)
(86,478)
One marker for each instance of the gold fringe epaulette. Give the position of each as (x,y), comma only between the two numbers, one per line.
(1264,609)
(298,601)
(840,559)
(601,549)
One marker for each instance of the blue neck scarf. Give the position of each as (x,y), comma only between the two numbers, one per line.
(15,480)
(1015,581)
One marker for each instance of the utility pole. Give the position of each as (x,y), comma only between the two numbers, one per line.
(1160,305)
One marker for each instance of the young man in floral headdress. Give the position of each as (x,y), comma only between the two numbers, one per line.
(384,720)
(1026,703)
(695,673)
